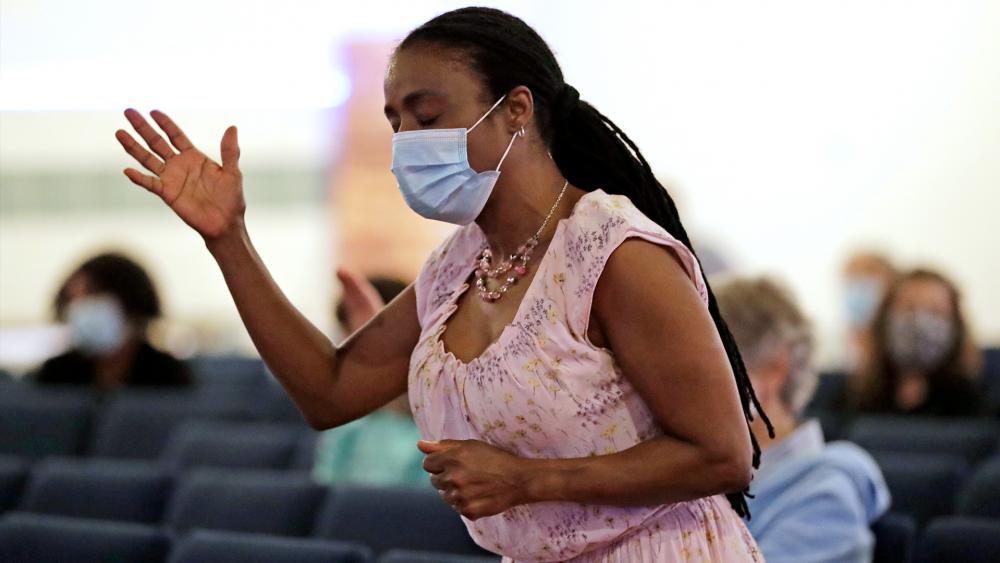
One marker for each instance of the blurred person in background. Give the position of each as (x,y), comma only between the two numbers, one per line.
(376,449)
(867,275)
(923,359)
(107,303)
(813,501)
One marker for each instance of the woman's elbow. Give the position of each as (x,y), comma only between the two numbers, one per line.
(732,471)
(736,472)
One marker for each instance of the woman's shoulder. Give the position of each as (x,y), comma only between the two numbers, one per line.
(156,367)
(600,223)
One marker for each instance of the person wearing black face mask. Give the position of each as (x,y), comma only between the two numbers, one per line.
(923,361)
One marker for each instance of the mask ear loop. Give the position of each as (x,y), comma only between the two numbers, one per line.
(509,145)
(489,111)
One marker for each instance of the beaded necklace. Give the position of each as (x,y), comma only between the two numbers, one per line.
(518,261)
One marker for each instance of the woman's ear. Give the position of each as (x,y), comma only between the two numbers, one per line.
(520,108)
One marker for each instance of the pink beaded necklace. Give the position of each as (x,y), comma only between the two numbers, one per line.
(518,261)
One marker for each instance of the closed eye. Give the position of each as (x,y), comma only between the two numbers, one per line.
(428,122)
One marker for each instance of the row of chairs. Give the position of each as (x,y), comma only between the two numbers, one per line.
(30,538)
(926,462)
(278,503)
(134,424)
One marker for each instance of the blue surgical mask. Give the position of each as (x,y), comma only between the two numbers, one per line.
(96,324)
(861,297)
(434,175)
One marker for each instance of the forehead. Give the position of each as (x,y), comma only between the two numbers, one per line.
(925,293)
(77,286)
(420,68)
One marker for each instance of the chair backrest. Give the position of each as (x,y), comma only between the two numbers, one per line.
(38,423)
(895,535)
(33,538)
(923,486)
(980,496)
(973,439)
(960,540)
(394,517)
(13,476)
(304,457)
(103,489)
(411,556)
(247,445)
(266,502)
(991,375)
(233,547)
(138,424)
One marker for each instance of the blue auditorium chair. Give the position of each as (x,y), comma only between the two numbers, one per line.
(36,538)
(960,540)
(895,535)
(228,373)
(980,496)
(137,424)
(922,486)
(973,439)
(412,556)
(305,450)
(37,423)
(202,546)
(265,502)
(991,376)
(248,445)
(394,517)
(95,488)
(13,476)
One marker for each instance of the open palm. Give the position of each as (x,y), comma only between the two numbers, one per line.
(206,195)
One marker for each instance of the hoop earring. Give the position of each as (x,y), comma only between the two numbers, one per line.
(521,132)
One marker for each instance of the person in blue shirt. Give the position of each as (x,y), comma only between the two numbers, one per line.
(813,501)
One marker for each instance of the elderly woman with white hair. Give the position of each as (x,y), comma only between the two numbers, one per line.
(813,501)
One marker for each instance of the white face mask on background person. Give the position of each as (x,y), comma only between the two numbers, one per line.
(919,340)
(96,324)
(434,175)
(862,296)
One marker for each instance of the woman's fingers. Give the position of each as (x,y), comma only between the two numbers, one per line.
(230,148)
(139,153)
(152,138)
(177,137)
(151,183)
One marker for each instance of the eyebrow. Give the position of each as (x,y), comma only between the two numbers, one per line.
(413,98)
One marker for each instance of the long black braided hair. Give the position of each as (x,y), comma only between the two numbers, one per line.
(589,149)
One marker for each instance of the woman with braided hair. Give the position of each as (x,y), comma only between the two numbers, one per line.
(578,391)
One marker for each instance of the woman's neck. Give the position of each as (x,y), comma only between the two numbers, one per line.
(521,199)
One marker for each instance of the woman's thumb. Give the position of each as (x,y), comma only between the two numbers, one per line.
(230,150)
(427,446)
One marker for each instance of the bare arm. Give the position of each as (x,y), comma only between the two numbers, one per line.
(331,385)
(649,313)
(669,349)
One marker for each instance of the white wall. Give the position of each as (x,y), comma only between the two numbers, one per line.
(793,130)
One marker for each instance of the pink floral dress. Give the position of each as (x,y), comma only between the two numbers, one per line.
(543,390)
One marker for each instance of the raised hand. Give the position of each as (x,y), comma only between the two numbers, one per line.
(207,196)
(361,299)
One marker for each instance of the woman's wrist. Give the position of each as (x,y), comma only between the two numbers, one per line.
(233,239)
(542,480)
